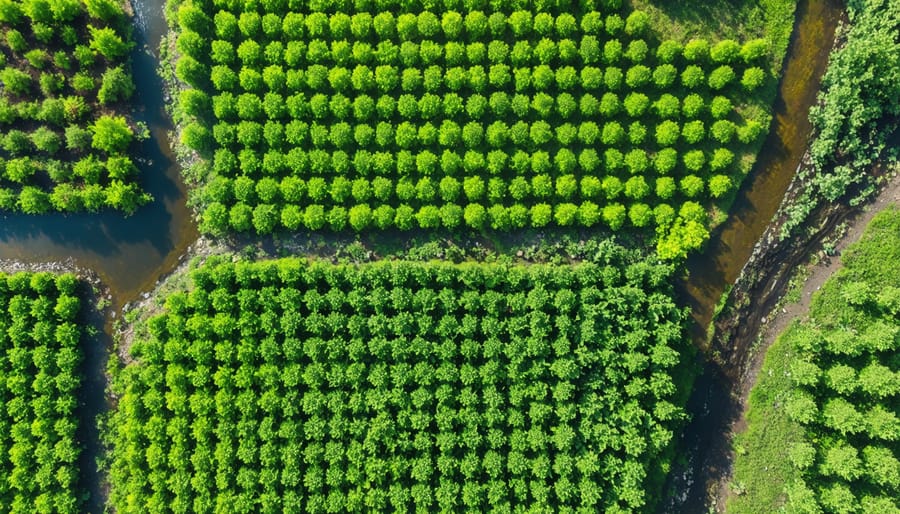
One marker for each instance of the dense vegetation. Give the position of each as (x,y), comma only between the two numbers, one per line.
(327,116)
(823,422)
(39,381)
(859,108)
(64,111)
(312,387)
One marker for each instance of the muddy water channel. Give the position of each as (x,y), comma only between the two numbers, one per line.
(128,254)
(705,446)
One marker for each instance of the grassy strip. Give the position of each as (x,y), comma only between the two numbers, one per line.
(762,469)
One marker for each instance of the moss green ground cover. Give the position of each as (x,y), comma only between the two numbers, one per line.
(823,426)
(65,126)
(39,380)
(399,386)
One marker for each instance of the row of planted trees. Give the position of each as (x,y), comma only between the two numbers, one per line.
(284,90)
(399,386)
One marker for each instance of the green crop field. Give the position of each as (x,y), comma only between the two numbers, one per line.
(65,126)
(40,376)
(332,116)
(309,387)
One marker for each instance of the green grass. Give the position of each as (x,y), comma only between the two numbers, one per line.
(761,468)
(722,19)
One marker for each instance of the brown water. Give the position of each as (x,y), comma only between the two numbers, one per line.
(730,246)
(129,254)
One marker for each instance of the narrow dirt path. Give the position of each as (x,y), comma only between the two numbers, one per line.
(775,321)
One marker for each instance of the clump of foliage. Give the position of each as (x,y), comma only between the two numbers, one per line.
(40,367)
(555,94)
(312,387)
(65,91)
(824,420)
(858,110)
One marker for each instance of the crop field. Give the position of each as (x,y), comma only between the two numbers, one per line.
(39,381)
(331,116)
(397,386)
(65,126)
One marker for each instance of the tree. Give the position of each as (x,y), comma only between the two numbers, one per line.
(125,197)
(111,134)
(754,49)
(360,216)
(108,43)
(696,50)
(637,76)
(451,215)
(77,138)
(636,187)
(474,215)
(636,104)
(723,131)
(16,81)
(682,237)
(667,133)
(565,214)
(46,140)
(725,52)
(499,217)
(753,78)
(106,10)
(668,51)
(637,51)
(637,23)
(720,107)
(194,135)
(614,215)
(719,185)
(694,160)
(692,76)
(721,77)
(721,159)
(452,24)
(541,214)
(667,107)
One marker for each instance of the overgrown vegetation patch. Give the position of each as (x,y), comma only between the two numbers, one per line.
(377,115)
(311,387)
(64,107)
(39,380)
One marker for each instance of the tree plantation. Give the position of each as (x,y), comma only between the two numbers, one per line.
(64,110)
(376,115)
(40,377)
(295,386)
(442,256)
